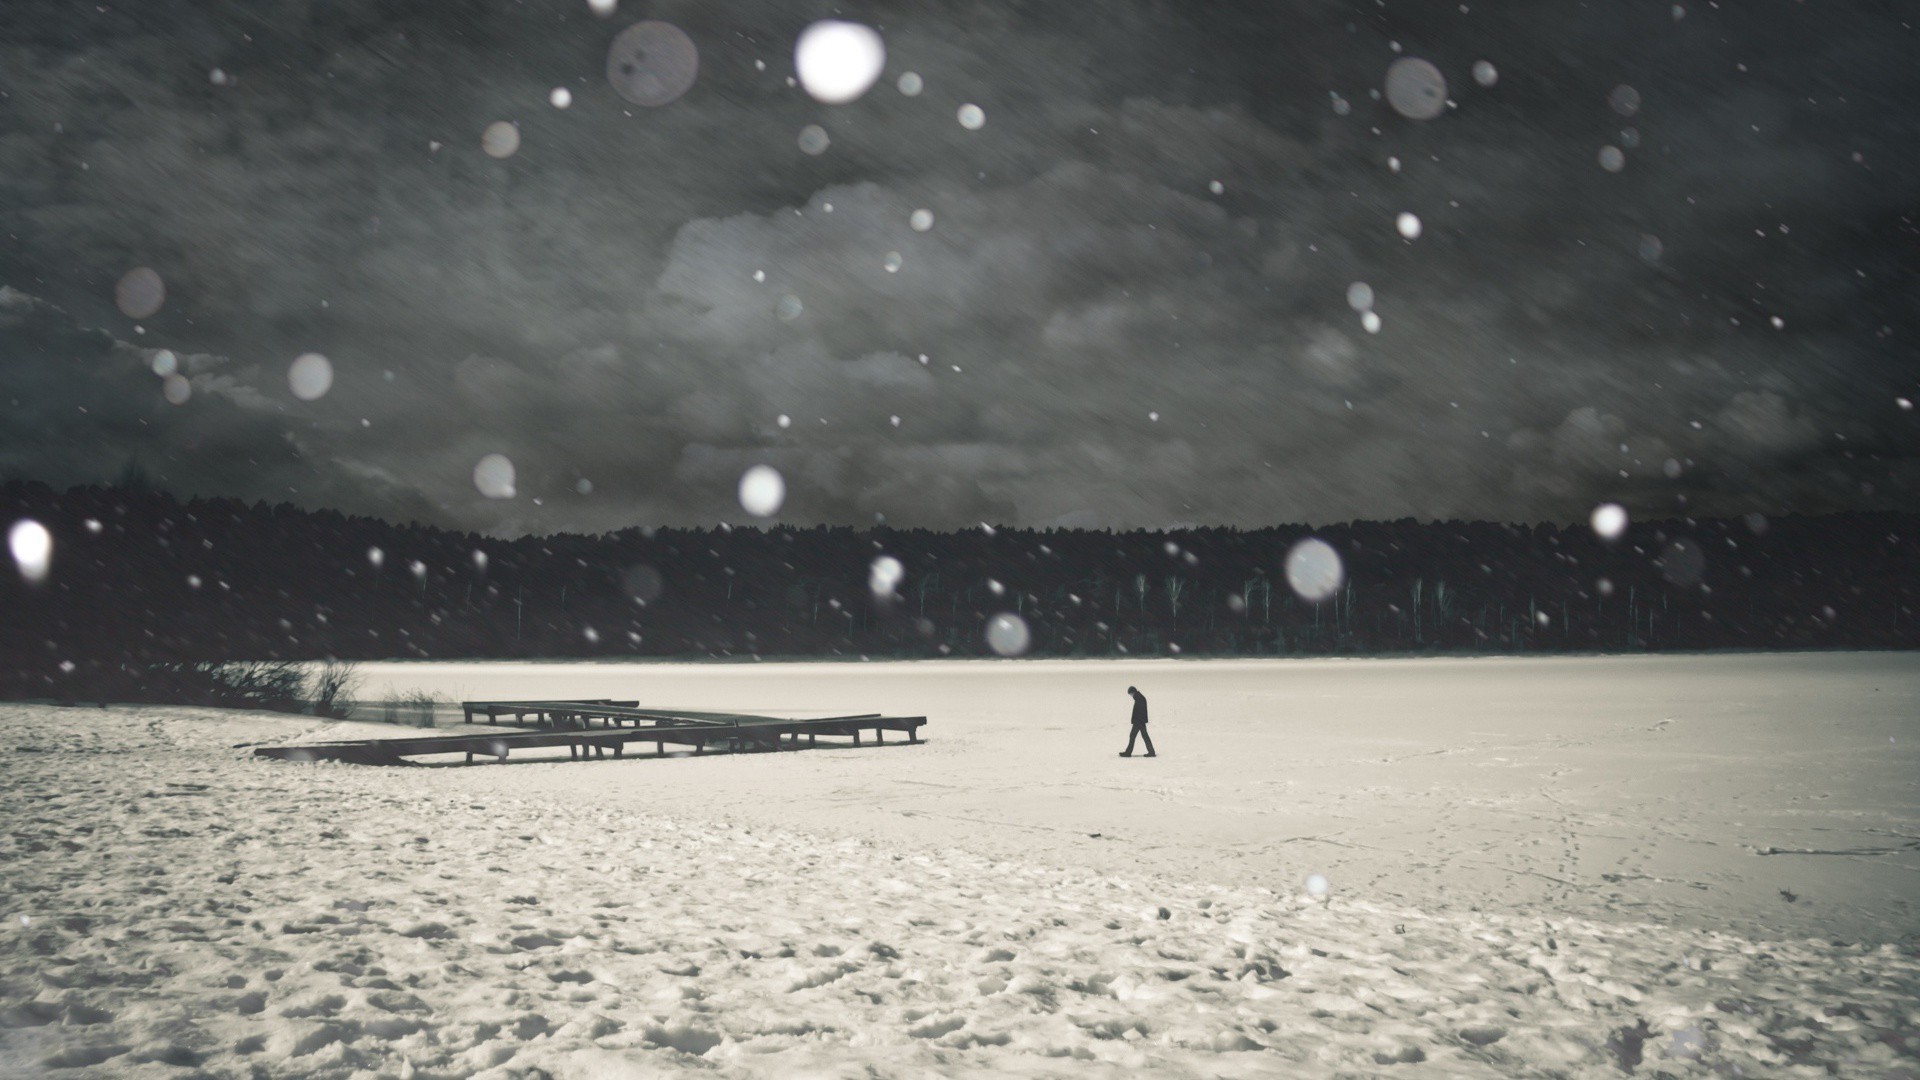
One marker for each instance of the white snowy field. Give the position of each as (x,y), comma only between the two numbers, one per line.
(1567,867)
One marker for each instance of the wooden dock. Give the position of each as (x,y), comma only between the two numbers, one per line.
(621,724)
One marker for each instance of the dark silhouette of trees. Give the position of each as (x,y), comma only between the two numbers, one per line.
(140,577)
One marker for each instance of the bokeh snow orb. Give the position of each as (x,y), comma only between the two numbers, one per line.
(1216,187)
(789,308)
(176,389)
(376,557)
(837,61)
(1683,563)
(165,363)
(920,220)
(32,547)
(1360,296)
(762,490)
(1416,89)
(1314,570)
(1624,99)
(813,140)
(1485,73)
(583,486)
(1370,321)
(652,63)
(893,262)
(642,582)
(139,292)
(1007,634)
(1609,521)
(493,475)
(1630,138)
(1408,225)
(560,98)
(884,575)
(500,140)
(1317,885)
(1612,158)
(602,8)
(911,84)
(479,560)
(972,117)
(1651,248)
(310,376)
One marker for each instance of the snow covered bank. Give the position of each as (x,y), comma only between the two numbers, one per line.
(173,907)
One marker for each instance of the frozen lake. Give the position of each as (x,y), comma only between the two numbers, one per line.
(1643,787)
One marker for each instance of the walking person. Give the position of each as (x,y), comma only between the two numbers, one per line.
(1139,725)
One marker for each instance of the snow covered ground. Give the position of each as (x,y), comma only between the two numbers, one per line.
(1689,865)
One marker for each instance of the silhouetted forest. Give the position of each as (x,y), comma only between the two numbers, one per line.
(139,577)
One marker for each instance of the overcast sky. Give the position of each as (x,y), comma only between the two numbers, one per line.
(1132,307)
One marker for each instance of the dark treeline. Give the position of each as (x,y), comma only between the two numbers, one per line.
(142,578)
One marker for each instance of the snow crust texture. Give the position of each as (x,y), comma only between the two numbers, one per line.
(174,907)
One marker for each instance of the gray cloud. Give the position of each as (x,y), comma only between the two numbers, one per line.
(1132,348)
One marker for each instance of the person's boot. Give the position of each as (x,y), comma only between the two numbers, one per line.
(1126,753)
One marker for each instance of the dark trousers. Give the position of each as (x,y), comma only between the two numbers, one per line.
(1139,732)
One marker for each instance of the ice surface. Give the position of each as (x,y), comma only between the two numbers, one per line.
(1535,866)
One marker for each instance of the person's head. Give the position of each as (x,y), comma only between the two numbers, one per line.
(1133,691)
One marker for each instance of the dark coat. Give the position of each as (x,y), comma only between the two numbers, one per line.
(1139,710)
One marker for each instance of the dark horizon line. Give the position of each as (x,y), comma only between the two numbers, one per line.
(772,525)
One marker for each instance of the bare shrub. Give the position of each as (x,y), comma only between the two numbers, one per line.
(332,691)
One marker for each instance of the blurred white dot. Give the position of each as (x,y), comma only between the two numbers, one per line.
(1416,89)
(1777,322)
(993,586)
(583,486)
(1629,138)
(193,581)
(1906,404)
(1393,164)
(920,220)
(893,262)
(1609,520)
(813,140)
(911,84)
(376,557)
(1409,226)
(1651,248)
(1360,296)
(1314,570)
(1154,416)
(32,547)
(784,420)
(1485,73)
(602,8)
(762,490)
(93,525)
(884,575)
(1671,467)
(218,77)
(1341,106)
(1370,321)
(1007,634)
(310,377)
(894,420)
(1612,158)
(1317,885)
(500,140)
(789,308)
(417,568)
(837,61)
(165,363)
(1624,99)
(139,292)
(176,389)
(972,117)
(561,97)
(493,475)
(759,275)
(652,63)
(479,559)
